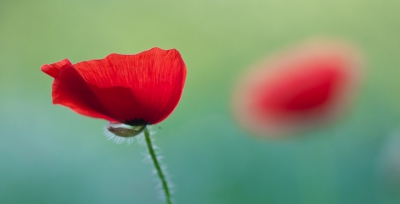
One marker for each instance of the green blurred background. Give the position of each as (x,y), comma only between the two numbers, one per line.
(48,154)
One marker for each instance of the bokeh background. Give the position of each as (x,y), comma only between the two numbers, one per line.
(48,154)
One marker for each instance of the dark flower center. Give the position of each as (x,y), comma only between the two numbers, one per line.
(136,122)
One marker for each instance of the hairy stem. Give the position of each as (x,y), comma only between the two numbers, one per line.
(156,163)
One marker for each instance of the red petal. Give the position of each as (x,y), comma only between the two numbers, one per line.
(296,90)
(310,86)
(71,90)
(125,88)
(55,68)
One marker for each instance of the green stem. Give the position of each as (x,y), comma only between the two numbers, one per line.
(156,163)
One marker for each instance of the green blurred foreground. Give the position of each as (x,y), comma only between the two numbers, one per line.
(49,154)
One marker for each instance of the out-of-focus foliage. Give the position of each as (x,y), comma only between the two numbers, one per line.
(49,154)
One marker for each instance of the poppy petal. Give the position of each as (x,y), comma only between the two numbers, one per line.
(309,87)
(54,69)
(132,89)
(298,89)
(71,90)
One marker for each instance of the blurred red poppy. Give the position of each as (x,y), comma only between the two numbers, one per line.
(298,89)
(135,89)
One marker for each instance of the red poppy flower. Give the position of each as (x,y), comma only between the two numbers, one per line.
(135,89)
(299,89)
